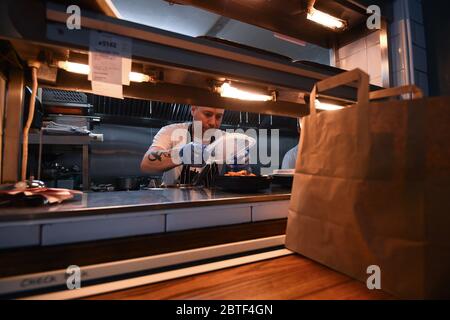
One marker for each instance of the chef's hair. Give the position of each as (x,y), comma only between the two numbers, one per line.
(198,106)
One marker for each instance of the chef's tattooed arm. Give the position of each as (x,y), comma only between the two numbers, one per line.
(157,160)
(158,155)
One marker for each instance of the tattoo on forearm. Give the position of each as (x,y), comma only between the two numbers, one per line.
(158,155)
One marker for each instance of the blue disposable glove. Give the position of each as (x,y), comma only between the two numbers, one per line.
(193,154)
(240,162)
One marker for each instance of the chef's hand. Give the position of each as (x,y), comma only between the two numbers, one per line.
(240,162)
(193,154)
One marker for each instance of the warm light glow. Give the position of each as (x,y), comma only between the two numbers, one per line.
(228,91)
(325,19)
(139,77)
(74,67)
(327,106)
(84,69)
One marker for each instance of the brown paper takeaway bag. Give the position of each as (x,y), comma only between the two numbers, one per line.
(372,187)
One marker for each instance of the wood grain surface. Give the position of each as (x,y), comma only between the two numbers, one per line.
(290,277)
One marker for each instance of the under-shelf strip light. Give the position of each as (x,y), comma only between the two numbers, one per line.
(226,90)
(84,69)
(325,19)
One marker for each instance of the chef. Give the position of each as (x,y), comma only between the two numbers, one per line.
(290,157)
(178,150)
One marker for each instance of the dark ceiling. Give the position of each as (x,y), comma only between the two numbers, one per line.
(288,17)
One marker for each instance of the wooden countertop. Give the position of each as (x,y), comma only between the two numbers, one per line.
(286,278)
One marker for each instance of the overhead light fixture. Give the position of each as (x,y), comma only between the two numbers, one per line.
(325,19)
(74,67)
(82,68)
(327,106)
(139,77)
(226,90)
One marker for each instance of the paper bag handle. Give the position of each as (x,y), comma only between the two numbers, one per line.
(393,92)
(360,122)
(356,75)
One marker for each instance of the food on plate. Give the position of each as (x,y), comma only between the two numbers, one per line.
(242,173)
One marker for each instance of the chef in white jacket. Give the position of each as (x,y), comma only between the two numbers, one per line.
(177,150)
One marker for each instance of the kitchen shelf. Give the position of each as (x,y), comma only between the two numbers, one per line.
(33,138)
(84,141)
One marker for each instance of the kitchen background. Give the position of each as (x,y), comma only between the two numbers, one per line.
(128,126)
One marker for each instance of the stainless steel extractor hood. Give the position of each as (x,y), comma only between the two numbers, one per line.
(185,67)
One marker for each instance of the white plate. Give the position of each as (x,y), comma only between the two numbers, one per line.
(222,147)
(283,172)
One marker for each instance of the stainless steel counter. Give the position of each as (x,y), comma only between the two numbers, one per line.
(95,203)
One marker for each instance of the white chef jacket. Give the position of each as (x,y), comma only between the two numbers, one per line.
(169,137)
(290,158)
